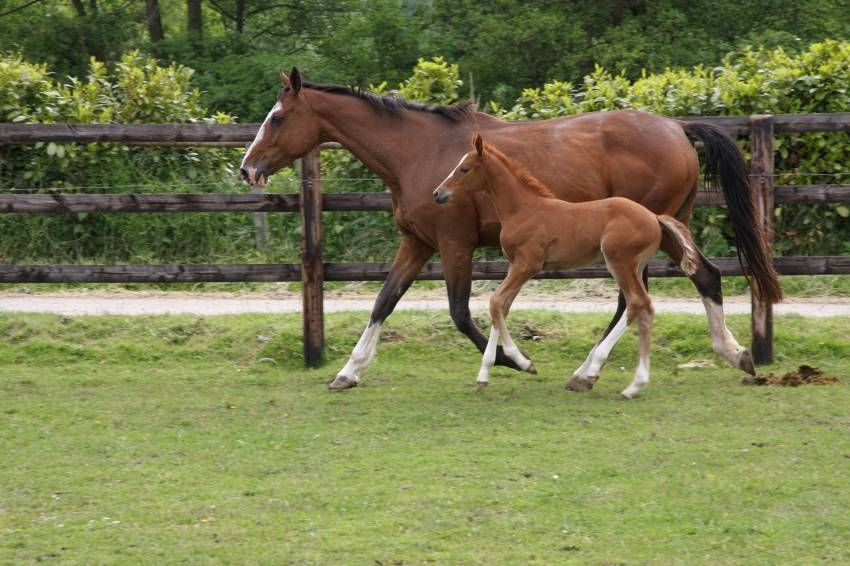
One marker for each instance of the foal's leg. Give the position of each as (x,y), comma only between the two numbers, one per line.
(457,269)
(409,259)
(640,310)
(500,305)
(641,378)
(587,374)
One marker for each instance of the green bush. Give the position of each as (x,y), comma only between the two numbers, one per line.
(136,90)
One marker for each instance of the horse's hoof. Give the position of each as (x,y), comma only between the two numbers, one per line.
(626,397)
(746,363)
(479,385)
(531,369)
(505,361)
(581,383)
(342,382)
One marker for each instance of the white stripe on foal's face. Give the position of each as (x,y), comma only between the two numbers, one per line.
(450,175)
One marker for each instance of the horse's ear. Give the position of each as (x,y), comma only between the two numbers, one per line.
(295,80)
(284,80)
(478,143)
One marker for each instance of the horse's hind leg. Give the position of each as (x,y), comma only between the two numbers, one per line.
(707,281)
(643,318)
(639,309)
(409,259)
(587,374)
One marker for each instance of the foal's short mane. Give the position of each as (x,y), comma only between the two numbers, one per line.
(521,172)
(393,103)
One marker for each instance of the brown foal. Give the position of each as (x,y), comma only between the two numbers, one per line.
(539,231)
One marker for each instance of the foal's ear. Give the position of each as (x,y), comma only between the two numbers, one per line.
(295,80)
(478,144)
(284,80)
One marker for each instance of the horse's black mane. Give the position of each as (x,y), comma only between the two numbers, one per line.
(394,103)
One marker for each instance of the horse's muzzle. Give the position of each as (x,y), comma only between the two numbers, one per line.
(442,196)
(254,176)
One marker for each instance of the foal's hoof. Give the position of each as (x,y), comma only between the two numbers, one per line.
(531,369)
(746,363)
(480,385)
(342,382)
(581,383)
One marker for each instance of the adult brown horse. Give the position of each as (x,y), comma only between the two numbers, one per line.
(632,154)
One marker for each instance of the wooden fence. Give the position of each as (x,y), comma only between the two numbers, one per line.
(311,202)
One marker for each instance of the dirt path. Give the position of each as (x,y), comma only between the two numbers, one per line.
(128,303)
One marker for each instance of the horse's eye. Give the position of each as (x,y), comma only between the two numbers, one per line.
(464,169)
(277,120)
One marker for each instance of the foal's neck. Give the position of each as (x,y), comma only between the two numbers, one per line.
(511,195)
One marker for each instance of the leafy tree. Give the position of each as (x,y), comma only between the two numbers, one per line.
(65,37)
(510,45)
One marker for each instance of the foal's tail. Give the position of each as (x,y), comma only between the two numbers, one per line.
(682,236)
(725,166)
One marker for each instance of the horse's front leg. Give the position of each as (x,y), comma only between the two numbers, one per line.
(500,305)
(409,259)
(457,270)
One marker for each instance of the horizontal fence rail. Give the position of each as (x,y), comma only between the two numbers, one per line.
(240,134)
(291,272)
(311,204)
(331,202)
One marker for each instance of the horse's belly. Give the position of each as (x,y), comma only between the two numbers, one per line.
(564,255)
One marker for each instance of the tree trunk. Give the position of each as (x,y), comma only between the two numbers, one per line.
(80,8)
(195,21)
(154,18)
(240,15)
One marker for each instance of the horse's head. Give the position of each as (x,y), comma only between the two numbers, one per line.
(468,174)
(289,131)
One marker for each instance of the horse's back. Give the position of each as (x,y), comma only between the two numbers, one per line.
(626,153)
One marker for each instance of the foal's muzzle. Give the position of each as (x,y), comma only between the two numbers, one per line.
(442,195)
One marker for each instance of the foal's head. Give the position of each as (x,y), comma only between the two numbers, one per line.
(289,131)
(468,174)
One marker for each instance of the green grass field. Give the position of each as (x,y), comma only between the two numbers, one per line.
(189,440)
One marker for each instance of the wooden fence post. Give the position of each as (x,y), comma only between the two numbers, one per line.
(312,268)
(761,180)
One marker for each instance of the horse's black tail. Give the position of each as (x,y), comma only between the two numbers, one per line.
(725,166)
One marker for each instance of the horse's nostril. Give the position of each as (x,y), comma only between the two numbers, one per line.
(244,173)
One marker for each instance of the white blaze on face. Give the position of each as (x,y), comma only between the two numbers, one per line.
(261,133)
(450,175)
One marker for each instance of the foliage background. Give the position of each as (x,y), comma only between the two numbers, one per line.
(103,64)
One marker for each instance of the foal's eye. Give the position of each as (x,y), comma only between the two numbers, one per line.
(277,120)
(464,169)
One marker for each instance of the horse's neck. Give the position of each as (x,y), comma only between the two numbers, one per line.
(511,196)
(384,142)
